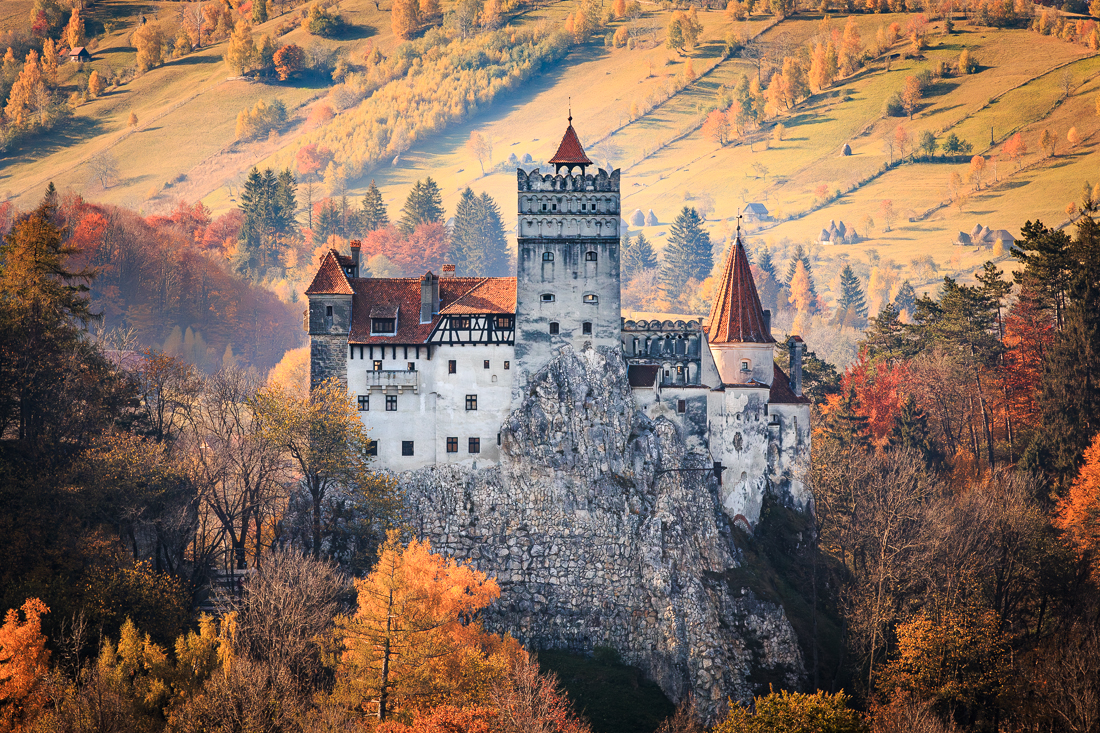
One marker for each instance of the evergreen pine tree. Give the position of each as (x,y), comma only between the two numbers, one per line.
(688,254)
(374,210)
(424,204)
(1048,265)
(464,234)
(1070,394)
(906,299)
(851,305)
(479,246)
(638,256)
(493,240)
(845,426)
(801,256)
(644,253)
(910,430)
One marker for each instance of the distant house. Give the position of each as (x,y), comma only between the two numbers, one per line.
(756,212)
(79,55)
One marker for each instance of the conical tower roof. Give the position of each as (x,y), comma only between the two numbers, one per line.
(570,151)
(737,316)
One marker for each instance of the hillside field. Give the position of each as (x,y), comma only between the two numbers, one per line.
(183,146)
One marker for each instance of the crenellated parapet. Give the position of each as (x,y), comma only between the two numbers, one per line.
(599,181)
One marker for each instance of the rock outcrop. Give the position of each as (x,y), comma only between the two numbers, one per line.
(595,543)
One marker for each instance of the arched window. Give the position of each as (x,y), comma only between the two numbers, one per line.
(547,256)
(590,256)
(592,299)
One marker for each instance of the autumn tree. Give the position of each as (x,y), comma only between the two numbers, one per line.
(1073,138)
(150,44)
(1015,148)
(1078,513)
(481,148)
(888,213)
(850,56)
(23,109)
(289,61)
(717,127)
(23,666)
(802,297)
(310,160)
(74,31)
(783,712)
(405,17)
(96,84)
(911,95)
(977,171)
(322,435)
(240,53)
(414,639)
(1047,142)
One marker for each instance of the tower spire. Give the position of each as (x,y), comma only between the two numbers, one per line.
(737,315)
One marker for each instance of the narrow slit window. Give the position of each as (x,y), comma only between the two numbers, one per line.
(452,367)
(681,406)
(507,365)
(486,363)
(553,328)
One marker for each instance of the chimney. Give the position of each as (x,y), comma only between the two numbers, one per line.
(429,297)
(448,270)
(767,322)
(355,246)
(797,346)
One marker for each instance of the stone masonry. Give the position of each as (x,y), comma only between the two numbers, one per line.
(592,546)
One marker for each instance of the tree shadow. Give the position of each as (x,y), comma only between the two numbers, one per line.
(350,32)
(195,60)
(65,135)
(939,88)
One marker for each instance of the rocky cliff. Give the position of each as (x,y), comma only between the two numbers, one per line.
(593,545)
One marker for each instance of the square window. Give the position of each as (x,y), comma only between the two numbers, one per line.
(475,445)
(406,447)
(547,256)
(372,448)
(364,402)
(586,328)
(471,402)
(681,406)
(553,328)
(507,365)
(486,363)
(592,299)
(452,367)
(377,366)
(391,403)
(547,297)
(452,445)
(412,366)
(504,321)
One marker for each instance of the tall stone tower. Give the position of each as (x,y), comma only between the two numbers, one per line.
(567,272)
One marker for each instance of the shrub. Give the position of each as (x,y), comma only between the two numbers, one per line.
(261,119)
(893,106)
(320,22)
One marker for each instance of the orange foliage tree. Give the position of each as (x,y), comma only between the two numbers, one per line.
(878,391)
(1079,512)
(425,248)
(23,666)
(414,643)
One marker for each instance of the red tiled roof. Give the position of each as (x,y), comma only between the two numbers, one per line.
(491,295)
(330,278)
(383,295)
(737,316)
(781,393)
(570,151)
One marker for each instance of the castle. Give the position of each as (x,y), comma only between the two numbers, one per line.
(436,363)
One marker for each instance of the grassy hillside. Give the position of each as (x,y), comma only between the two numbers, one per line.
(183,145)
